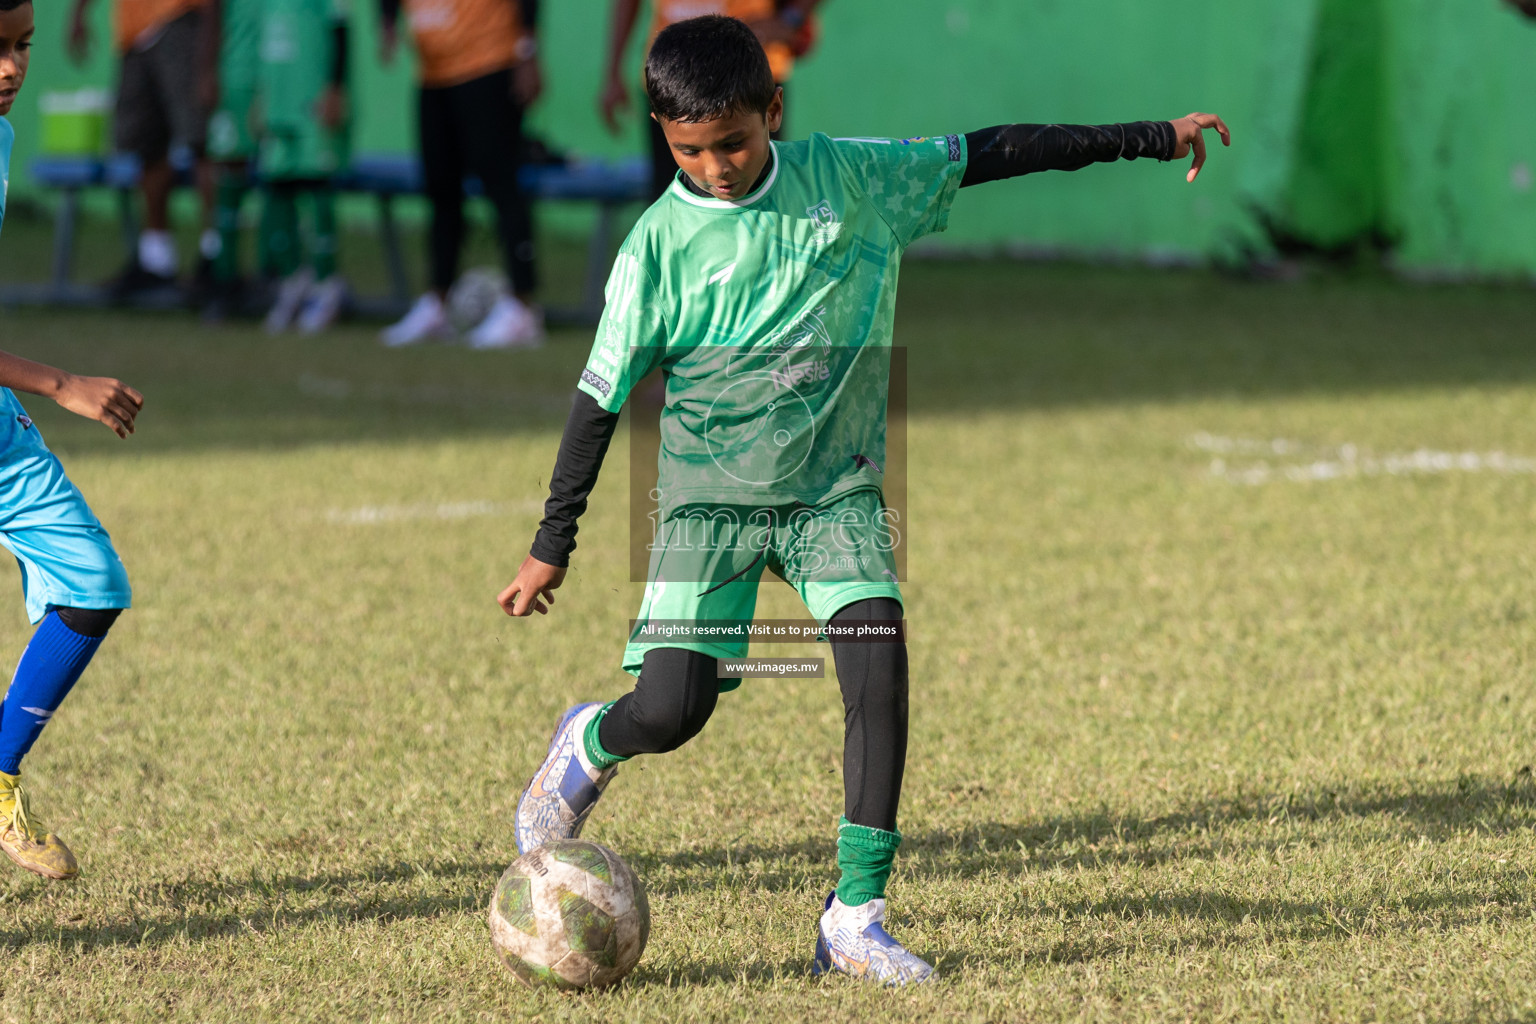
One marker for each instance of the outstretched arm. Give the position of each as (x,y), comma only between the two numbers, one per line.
(1008,151)
(103,399)
(588,430)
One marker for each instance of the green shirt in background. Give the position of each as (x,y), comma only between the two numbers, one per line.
(294,59)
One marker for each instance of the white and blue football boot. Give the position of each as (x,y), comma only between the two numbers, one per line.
(561,794)
(854,940)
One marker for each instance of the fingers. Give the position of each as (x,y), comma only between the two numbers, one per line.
(507,598)
(1200,121)
(518,601)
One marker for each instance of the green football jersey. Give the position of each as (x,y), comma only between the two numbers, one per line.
(294,59)
(239,43)
(771,318)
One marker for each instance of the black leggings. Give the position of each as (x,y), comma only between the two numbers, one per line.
(476,128)
(677,690)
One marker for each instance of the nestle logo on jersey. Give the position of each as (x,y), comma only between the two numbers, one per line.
(816,369)
(597,382)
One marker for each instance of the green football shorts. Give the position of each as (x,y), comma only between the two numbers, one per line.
(303,152)
(707,560)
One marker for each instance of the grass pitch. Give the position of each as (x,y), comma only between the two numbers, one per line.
(1222,636)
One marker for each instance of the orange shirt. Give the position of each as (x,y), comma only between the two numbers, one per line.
(457,40)
(780,59)
(135,18)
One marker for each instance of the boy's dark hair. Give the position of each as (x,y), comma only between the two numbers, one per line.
(705,68)
(11,5)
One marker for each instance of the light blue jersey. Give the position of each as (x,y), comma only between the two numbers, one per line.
(66,558)
(7,139)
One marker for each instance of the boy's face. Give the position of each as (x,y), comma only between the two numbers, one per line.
(15,51)
(725,156)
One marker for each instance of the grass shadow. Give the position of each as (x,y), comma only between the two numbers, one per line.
(1102,838)
(262,905)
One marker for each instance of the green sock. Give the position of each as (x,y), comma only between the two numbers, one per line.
(864,856)
(226,218)
(595,752)
(322,237)
(279,233)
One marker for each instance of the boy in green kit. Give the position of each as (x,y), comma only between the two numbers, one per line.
(302,99)
(229,90)
(763,285)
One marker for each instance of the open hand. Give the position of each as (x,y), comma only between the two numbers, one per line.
(534,580)
(1190,129)
(103,399)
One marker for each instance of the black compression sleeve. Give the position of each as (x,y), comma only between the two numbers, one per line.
(339,55)
(588,430)
(1010,150)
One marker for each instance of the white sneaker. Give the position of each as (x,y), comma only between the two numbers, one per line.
(290,296)
(426,320)
(322,305)
(853,940)
(510,324)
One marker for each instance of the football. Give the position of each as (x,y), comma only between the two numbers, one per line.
(570,914)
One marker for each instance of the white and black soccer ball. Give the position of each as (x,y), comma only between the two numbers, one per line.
(570,914)
(472,296)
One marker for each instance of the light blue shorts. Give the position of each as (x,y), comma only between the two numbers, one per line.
(67,559)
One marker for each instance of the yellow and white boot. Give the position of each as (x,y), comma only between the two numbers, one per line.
(25,840)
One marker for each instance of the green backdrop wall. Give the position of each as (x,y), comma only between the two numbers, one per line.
(1409,121)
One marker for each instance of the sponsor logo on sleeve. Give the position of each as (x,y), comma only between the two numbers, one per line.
(597,382)
(914,140)
(954,148)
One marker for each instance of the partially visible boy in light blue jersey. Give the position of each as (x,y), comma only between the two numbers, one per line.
(762,285)
(74,583)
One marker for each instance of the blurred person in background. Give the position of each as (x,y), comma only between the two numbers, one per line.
(786,28)
(301,97)
(228,85)
(159,106)
(478,68)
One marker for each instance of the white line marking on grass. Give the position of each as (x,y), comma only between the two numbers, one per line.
(374,515)
(1298,462)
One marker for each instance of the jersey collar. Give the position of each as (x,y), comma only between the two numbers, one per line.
(679,190)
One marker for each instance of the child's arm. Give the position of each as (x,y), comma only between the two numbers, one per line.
(332,106)
(1008,151)
(108,401)
(615,94)
(389,31)
(78,39)
(588,430)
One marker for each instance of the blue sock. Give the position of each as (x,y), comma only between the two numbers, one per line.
(49,667)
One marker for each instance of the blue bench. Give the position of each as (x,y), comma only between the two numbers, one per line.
(610,184)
